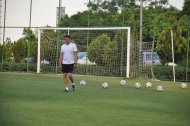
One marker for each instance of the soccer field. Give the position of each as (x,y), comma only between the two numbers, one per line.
(39,100)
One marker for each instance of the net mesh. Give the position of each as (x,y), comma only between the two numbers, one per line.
(100,52)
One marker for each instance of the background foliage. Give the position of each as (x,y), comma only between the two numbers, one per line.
(159,18)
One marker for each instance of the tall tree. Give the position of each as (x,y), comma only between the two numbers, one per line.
(97,47)
(186,8)
(111,6)
(8,50)
(29,35)
(7,53)
(31,43)
(164,48)
(20,50)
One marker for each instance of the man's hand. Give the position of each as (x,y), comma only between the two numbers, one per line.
(75,65)
(60,66)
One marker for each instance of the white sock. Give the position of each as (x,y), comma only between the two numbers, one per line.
(73,83)
(67,88)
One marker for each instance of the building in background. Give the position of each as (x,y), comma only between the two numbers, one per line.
(1,25)
(60,13)
(98,1)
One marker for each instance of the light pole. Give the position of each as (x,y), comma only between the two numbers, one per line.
(140,38)
(60,13)
(5,9)
(141,24)
(28,52)
(58,34)
(0,21)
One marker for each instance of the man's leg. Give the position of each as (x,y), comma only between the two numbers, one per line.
(65,75)
(70,75)
(65,81)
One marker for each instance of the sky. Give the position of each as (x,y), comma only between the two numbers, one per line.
(43,13)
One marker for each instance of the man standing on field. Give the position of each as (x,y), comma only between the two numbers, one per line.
(67,61)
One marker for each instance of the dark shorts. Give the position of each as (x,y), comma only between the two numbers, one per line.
(67,68)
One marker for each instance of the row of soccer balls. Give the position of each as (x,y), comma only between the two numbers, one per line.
(137,85)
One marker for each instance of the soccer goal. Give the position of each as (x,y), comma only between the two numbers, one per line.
(102,51)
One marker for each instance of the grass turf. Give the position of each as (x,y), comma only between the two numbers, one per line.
(38,100)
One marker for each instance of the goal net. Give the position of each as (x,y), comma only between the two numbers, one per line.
(101,51)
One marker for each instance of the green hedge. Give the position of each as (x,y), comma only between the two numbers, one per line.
(20,67)
(94,70)
(166,73)
(160,72)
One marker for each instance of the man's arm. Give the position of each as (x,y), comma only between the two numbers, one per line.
(75,57)
(60,58)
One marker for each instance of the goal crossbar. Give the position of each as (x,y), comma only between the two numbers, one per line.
(84,28)
(90,29)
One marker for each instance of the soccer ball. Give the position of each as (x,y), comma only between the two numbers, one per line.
(122,82)
(183,85)
(137,85)
(159,88)
(82,83)
(148,84)
(105,85)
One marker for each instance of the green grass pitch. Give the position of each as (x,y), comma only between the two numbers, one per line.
(38,100)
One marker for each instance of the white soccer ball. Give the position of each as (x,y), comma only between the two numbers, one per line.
(105,85)
(82,83)
(122,82)
(137,85)
(148,84)
(159,88)
(183,85)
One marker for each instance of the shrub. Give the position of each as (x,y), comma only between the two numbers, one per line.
(166,72)
(11,67)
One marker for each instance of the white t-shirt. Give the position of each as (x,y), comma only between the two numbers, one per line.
(68,50)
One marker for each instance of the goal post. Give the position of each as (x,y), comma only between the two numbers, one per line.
(100,31)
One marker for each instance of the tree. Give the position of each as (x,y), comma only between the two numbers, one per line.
(6,50)
(1,52)
(106,51)
(96,49)
(111,6)
(93,6)
(126,3)
(31,43)
(49,45)
(186,6)
(110,54)
(126,13)
(29,35)
(184,25)
(164,48)
(20,50)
